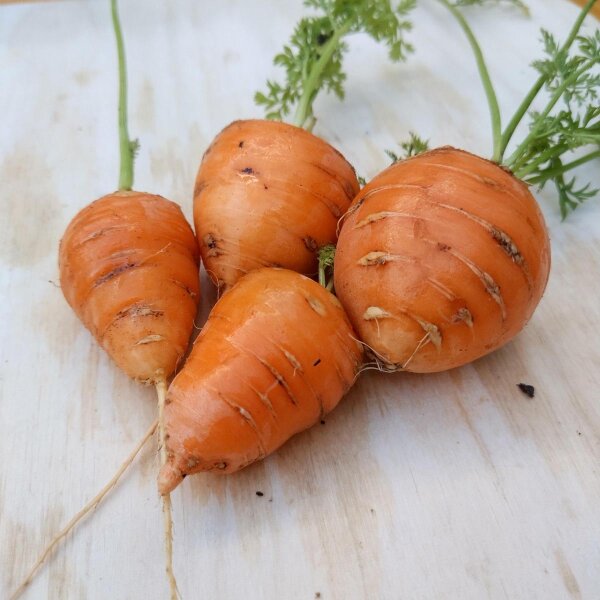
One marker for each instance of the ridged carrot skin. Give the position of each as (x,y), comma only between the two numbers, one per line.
(129,269)
(276,354)
(268,194)
(442,259)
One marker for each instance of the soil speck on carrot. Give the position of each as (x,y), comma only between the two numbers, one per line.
(260,494)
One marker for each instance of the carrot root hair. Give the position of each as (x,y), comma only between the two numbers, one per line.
(161,391)
(91,505)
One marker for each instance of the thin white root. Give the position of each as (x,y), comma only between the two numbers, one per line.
(422,342)
(161,391)
(91,505)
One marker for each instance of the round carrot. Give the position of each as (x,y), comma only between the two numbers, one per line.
(444,257)
(129,269)
(441,259)
(268,194)
(276,354)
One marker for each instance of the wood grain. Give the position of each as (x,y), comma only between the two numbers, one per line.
(453,485)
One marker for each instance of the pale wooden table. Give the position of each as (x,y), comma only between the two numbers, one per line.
(418,487)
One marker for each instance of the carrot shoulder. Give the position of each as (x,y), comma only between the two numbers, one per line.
(276,354)
(129,269)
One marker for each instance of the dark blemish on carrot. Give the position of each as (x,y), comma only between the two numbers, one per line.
(114,273)
(199,188)
(210,241)
(507,245)
(443,247)
(241,144)
(248,171)
(527,389)
(260,494)
(310,243)
(322,422)
(265,186)
(317,362)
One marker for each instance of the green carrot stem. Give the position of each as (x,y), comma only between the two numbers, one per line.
(523,146)
(485,79)
(322,278)
(524,168)
(539,84)
(549,173)
(126,146)
(304,114)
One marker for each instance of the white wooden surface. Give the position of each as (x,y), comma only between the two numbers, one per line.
(445,486)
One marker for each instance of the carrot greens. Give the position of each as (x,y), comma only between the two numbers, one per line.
(313,59)
(569,121)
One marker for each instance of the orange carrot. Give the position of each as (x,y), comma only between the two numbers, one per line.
(441,259)
(268,194)
(129,269)
(276,354)
(444,257)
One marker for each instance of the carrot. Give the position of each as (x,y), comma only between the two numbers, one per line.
(276,354)
(129,269)
(270,193)
(443,257)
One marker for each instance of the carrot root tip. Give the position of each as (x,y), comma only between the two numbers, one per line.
(169,478)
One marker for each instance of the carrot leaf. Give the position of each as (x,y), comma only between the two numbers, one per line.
(517,3)
(569,122)
(313,59)
(412,147)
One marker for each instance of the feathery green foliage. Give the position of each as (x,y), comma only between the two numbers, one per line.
(313,59)
(517,3)
(415,145)
(570,121)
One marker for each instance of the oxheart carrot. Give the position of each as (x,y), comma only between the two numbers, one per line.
(276,354)
(442,258)
(268,193)
(129,269)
